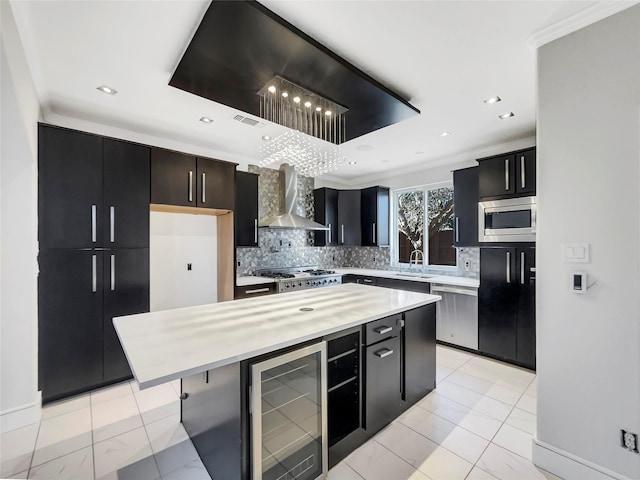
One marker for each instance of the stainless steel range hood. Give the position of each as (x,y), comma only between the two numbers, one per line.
(294,214)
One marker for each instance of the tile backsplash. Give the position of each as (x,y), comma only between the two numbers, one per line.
(294,248)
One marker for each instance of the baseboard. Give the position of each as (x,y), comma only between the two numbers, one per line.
(569,466)
(21,416)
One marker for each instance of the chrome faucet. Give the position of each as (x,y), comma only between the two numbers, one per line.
(417,253)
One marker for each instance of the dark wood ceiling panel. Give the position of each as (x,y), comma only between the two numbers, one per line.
(241,45)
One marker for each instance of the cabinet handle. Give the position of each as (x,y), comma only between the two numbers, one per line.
(523,173)
(255,230)
(204,187)
(383,330)
(374,232)
(94,218)
(113,272)
(191,185)
(522,268)
(94,274)
(256,290)
(385,352)
(329,225)
(367,280)
(508,267)
(342,227)
(112,224)
(457,231)
(506,174)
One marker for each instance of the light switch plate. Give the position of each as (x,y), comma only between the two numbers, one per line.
(575,253)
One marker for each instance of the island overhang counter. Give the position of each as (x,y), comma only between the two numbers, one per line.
(383,338)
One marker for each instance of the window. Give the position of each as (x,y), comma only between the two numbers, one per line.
(421,210)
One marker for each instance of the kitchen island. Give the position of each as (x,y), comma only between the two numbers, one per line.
(213,348)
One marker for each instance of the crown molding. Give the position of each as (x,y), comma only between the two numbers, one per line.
(580,20)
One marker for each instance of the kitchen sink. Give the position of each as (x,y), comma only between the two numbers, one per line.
(414,275)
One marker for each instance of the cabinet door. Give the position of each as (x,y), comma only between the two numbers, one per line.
(382,398)
(69,322)
(126,194)
(326,213)
(216,184)
(70,189)
(246,209)
(173,178)
(465,207)
(526,322)
(419,353)
(526,172)
(375,216)
(126,291)
(496,176)
(349,217)
(497,302)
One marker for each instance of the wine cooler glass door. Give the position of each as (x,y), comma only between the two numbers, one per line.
(289,424)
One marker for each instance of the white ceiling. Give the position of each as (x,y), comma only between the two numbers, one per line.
(446,57)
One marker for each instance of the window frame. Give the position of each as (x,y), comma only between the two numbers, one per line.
(425,244)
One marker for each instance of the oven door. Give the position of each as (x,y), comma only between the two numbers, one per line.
(511,220)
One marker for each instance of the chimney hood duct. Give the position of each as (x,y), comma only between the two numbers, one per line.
(293,216)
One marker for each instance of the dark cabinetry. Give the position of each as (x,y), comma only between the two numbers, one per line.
(246,210)
(506,304)
(94,256)
(508,175)
(349,217)
(419,353)
(325,202)
(383,396)
(257,290)
(375,216)
(465,207)
(409,285)
(184,180)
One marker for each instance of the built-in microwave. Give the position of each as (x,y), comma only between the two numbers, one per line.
(510,220)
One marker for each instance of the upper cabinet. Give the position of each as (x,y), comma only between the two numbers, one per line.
(246,209)
(94,191)
(508,175)
(465,207)
(184,180)
(325,201)
(375,216)
(349,217)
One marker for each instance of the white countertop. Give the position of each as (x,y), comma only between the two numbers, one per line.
(246,281)
(171,344)
(414,277)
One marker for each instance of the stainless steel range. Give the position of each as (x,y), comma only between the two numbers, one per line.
(300,278)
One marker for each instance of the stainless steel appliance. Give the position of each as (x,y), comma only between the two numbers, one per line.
(457,315)
(300,278)
(510,220)
(289,415)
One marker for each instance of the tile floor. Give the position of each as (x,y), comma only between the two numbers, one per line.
(477,425)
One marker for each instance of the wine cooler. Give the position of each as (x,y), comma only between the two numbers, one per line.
(289,416)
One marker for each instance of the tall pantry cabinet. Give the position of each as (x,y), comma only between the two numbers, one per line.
(93,235)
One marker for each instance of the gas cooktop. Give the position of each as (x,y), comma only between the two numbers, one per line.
(300,278)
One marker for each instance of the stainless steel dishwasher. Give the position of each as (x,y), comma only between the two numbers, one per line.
(457,315)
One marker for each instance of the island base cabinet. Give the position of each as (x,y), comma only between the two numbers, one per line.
(419,349)
(382,402)
(212,416)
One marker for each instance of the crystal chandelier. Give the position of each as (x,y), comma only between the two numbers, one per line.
(317,128)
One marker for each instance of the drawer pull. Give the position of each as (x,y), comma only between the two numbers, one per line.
(385,352)
(383,330)
(367,280)
(257,290)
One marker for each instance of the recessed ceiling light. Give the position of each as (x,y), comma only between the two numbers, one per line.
(285,94)
(445,134)
(352,162)
(272,88)
(491,100)
(419,153)
(327,113)
(386,160)
(506,115)
(109,90)
(318,109)
(266,137)
(206,120)
(307,104)
(296,99)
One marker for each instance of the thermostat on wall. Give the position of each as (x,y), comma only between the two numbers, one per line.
(578,282)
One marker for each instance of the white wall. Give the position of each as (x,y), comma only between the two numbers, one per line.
(20,111)
(178,239)
(588,181)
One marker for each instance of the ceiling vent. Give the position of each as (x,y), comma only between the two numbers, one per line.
(246,120)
